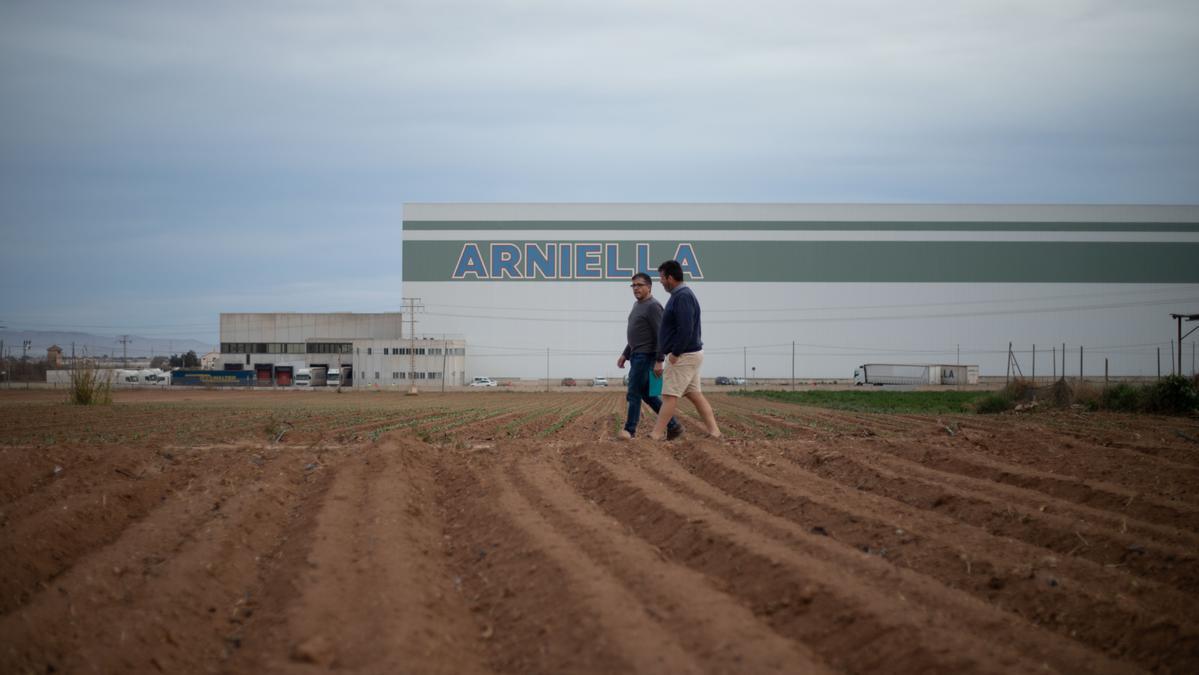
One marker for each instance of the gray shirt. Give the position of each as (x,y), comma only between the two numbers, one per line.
(644,321)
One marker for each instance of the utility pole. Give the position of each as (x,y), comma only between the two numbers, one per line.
(1159,363)
(445,348)
(413,304)
(547,369)
(25,347)
(1055,363)
(124,351)
(744,365)
(1080,376)
(1034,365)
(793,365)
(959,361)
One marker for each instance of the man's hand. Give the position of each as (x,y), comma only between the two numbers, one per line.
(620,361)
(673,359)
(658,368)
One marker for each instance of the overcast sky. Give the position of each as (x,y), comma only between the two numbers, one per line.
(163,162)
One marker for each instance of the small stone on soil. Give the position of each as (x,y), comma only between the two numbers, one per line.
(317,649)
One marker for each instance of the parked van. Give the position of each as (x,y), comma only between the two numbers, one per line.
(482,382)
(303,377)
(333,377)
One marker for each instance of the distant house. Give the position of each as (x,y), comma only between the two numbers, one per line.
(209,360)
(54,357)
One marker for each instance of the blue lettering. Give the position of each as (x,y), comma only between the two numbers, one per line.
(613,270)
(587,261)
(505,261)
(540,262)
(643,259)
(470,261)
(564,261)
(687,260)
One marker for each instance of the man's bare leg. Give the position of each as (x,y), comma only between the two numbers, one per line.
(669,405)
(705,412)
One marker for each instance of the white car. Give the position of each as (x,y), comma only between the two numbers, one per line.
(599,382)
(482,382)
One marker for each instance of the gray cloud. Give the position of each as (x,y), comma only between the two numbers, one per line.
(200,138)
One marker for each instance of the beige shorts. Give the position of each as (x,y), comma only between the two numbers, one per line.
(682,377)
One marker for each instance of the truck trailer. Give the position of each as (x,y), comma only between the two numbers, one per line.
(913,374)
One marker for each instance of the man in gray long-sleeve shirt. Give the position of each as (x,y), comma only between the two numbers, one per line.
(641,352)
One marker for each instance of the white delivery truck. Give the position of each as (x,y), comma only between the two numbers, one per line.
(303,377)
(890,373)
(333,377)
(896,373)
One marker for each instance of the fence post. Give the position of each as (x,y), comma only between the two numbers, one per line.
(1008,378)
(1055,363)
(1034,365)
(1159,363)
(1080,375)
(1105,371)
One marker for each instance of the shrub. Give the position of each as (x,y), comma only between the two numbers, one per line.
(1020,391)
(1061,394)
(1172,395)
(90,385)
(1122,397)
(1088,395)
(991,404)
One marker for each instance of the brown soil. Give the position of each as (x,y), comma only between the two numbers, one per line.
(484,532)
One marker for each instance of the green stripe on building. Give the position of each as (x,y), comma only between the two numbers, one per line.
(891,261)
(770,226)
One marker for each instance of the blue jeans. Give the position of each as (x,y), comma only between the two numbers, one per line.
(640,367)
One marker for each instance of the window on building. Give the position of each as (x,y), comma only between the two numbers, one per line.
(368,351)
(385,351)
(395,375)
(376,374)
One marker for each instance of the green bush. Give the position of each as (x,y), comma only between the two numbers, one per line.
(994,403)
(1122,397)
(90,385)
(1173,395)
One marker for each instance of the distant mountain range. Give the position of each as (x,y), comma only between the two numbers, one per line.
(97,345)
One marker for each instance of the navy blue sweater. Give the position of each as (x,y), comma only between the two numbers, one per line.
(680,331)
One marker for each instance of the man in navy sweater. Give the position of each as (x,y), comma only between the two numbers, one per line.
(679,339)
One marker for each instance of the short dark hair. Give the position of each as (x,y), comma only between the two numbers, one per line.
(672,269)
(644,277)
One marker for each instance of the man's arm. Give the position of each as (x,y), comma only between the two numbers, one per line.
(624,356)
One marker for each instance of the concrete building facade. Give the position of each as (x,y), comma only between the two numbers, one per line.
(371,347)
(541,290)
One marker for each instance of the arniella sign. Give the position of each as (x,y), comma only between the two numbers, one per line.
(527,243)
(565,260)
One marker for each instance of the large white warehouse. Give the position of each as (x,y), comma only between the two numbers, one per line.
(541,289)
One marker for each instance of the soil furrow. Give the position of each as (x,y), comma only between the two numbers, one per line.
(722,634)
(1010,576)
(824,586)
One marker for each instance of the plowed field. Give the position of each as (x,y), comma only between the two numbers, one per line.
(503,532)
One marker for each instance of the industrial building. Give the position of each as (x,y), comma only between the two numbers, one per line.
(372,349)
(541,290)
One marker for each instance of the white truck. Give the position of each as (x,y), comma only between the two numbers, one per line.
(333,377)
(912,374)
(303,377)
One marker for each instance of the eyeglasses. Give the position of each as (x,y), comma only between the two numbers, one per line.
(637,284)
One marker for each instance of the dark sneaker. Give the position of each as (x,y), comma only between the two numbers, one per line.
(674,433)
